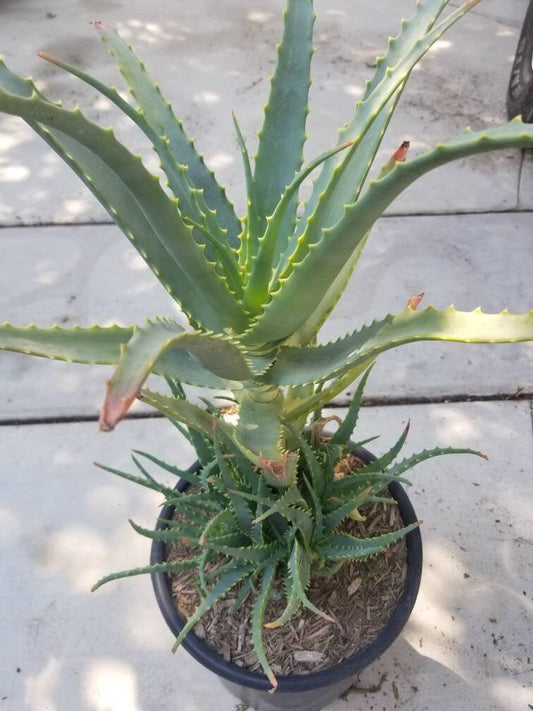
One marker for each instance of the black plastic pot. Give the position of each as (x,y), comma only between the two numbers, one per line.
(302,692)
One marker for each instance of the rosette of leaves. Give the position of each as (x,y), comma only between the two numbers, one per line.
(238,530)
(255,289)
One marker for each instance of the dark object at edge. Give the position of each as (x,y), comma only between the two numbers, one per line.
(520,91)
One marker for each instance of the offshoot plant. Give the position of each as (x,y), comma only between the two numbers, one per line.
(256,291)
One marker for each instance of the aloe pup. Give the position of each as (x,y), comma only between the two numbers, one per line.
(256,290)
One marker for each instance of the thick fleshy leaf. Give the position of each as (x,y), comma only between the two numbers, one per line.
(223,586)
(336,517)
(102,345)
(312,363)
(146,348)
(267,582)
(341,546)
(160,116)
(173,533)
(93,345)
(281,140)
(350,181)
(316,272)
(274,240)
(297,584)
(185,412)
(240,507)
(139,205)
(259,425)
(303,288)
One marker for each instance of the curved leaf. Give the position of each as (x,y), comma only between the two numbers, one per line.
(312,363)
(223,586)
(139,205)
(149,569)
(160,116)
(342,546)
(102,345)
(144,350)
(267,581)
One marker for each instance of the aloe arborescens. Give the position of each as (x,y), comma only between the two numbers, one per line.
(256,292)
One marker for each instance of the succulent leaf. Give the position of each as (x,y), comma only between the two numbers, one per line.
(148,483)
(351,181)
(222,587)
(343,434)
(146,347)
(174,567)
(267,582)
(281,140)
(342,546)
(160,116)
(312,363)
(139,205)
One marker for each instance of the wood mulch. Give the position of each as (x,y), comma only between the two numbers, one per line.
(361,597)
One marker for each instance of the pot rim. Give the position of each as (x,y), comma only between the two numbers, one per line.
(213,661)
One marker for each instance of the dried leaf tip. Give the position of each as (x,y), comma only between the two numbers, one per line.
(48,58)
(99,25)
(414,301)
(400,154)
(272,679)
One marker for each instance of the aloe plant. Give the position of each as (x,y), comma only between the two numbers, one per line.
(256,291)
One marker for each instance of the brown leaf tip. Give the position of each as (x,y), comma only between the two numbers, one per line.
(400,154)
(414,301)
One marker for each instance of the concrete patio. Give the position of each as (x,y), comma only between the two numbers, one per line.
(463,235)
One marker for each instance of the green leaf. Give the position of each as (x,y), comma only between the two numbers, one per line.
(173,567)
(139,205)
(240,507)
(145,349)
(93,345)
(341,546)
(148,483)
(282,137)
(298,582)
(414,459)
(250,554)
(273,243)
(259,426)
(222,587)
(322,396)
(253,226)
(181,473)
(316,262)
(185,412)
(199,502)
(286,506)
(102,345)
(337,244)
(312,363)
(343,434)
(355,169)
(336,517)
(267,581)
(171,534)
(317,474)
(160,116)
(381,463)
